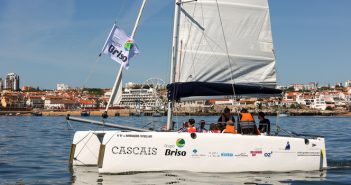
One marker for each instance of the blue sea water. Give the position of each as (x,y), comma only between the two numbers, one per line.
(35,150)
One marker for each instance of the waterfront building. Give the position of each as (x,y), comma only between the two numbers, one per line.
(141,98)
(192,106)
(62,87)
(12,100)
(12,82)
(35,102)
(59,103)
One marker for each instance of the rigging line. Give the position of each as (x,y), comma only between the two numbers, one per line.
(188,35)
(85,145)
(91,71)
(226,47)
(193,61)
(83,138)
(70,126)
(189,32)
(198,46)
(79,161)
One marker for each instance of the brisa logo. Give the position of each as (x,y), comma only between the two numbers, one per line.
(180,142)
(175,152)
(114,51)
(128,45)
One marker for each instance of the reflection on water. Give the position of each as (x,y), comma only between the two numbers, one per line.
(89,175)
(35,150)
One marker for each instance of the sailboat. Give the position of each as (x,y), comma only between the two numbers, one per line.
(220,48)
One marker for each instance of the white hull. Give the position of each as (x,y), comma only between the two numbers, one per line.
(159,151)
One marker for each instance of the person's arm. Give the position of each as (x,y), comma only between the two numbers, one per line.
(219,119)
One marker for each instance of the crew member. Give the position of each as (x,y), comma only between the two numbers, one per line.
(230,128)
(191,127)
(247,124)
(226,116)
(264,125)
(202,127)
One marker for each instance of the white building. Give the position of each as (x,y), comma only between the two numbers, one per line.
(141,98)
(12,82)
(1,85)
(62,87)
(348,83)
(319,103)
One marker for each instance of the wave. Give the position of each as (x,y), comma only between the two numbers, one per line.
(339,164)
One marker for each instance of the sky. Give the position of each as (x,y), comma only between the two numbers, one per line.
(58,41)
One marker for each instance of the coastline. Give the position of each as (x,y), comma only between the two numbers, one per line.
(131,112)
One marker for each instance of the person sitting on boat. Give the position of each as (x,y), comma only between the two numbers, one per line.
(185,127)
(226,116)
(191,127)
(230,128)
(264,125)
(246,123)
(202,127)
(214,128)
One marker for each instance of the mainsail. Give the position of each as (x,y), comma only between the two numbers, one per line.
(224,46)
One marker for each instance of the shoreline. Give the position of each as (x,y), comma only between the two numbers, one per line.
(130,112)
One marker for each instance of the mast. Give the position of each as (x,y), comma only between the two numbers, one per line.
(119,74)
(174,57)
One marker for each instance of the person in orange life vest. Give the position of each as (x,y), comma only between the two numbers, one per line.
(246,123)
(230,128)
(191,127)
(202,127)
(185,127)
(226,116)
(214,128)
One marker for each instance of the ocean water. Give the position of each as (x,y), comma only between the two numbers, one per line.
(35,150)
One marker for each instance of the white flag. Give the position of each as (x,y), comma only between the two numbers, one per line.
(120,47)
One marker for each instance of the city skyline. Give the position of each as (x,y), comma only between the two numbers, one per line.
(59,43)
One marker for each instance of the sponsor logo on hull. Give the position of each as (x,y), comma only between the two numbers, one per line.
(242,155)
(196,154)
(170,151)
(308,154)
(256,152)
(175,152)
(269,154)
(134,135)
(227,154)
(180,143)
(137,150)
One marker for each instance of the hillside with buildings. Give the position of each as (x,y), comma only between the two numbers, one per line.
(297,99)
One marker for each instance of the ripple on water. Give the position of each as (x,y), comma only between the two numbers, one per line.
(34,150)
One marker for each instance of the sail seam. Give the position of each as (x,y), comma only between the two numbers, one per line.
(226,47)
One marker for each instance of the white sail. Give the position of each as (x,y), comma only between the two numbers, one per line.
(202,48)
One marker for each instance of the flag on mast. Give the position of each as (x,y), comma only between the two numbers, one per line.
(119,46)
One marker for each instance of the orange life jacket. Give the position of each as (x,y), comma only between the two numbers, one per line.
(247,117)
(191,129)
(229,129)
